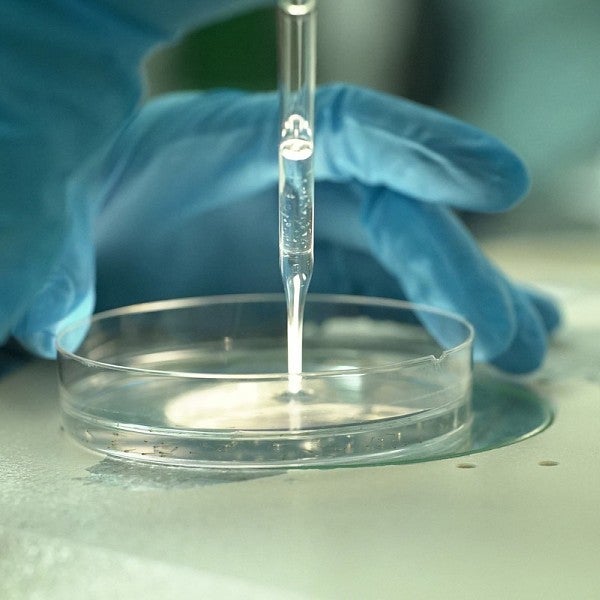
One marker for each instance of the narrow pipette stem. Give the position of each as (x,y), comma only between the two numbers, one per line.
(297,55)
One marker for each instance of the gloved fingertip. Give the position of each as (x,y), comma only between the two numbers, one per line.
(517,180)
(528,349)
(547,308)
(41,343)
(56,306)
(520,363)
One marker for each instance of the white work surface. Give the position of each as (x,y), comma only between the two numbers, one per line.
(506,523)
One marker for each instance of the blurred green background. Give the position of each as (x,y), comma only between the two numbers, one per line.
(239,53)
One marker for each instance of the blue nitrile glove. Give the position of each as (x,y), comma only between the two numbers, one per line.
(189,201)
(69,77)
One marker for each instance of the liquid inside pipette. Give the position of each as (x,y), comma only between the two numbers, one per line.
(296,201)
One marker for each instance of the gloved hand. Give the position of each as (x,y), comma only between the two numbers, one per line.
(189,207)
(70,77)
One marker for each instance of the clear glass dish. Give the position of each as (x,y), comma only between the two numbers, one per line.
(202,382)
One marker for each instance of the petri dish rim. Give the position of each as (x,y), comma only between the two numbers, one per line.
(237,299)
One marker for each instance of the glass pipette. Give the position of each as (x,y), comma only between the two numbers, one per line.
(297,57)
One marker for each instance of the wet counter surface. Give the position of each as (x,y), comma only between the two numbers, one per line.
(517,521)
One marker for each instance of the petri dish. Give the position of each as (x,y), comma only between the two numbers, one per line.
(202,382)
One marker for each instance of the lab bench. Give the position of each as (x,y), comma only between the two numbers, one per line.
(518,521)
